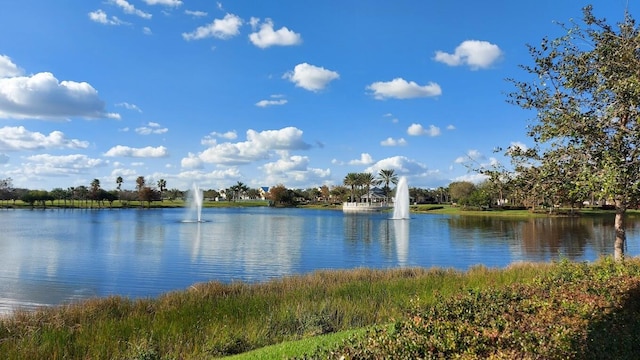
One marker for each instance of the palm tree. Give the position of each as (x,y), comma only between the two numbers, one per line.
(238,189)
(95,191)
(387,176)
(119,182)
(351,180)
(162,186)
(140,183)
(242,189)
(367,180)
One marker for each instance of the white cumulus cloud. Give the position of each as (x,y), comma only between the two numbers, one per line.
(365,159)
(192,161)
(418,130)
(65,165)
(401,164)
(310,77)
(101,17)
(272,102)
(258,146)
(151,128)
(293,171)
(393,142)
(130,9)
(172,3)
(400,88)
(224,28)
(196,13)
(8,68)
(212,138)
(472,155)
(128,106)
(42,96)
(473,53)
(19,138)
(145,152)
(267,36)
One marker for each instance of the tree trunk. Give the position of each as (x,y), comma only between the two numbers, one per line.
(621,235)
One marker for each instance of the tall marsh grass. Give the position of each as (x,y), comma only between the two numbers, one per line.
(213,319)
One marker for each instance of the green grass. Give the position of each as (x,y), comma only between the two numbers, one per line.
(213,319)
(299,347)
(134,204)
(561,310)
(573,311)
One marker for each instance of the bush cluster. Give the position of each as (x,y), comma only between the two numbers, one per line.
(577,311)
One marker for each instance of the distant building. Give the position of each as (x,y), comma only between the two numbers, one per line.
(375,195)
(263,192)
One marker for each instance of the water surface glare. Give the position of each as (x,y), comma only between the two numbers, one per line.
(51,257)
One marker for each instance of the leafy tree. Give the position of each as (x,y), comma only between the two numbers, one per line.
(140,187)
(37,196)
(209,194)
(127,196)
(460,190)
(279,195)
(71,193)
(478,198)
(59,194)
(147,194)
(6,188)
(422,195)
(311,194)
(110,196)
(585,91)
(253,193)
(82,193)
(325,193)
(339,193)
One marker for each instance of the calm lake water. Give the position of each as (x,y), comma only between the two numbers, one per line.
(51,257)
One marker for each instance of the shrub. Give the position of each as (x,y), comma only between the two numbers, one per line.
(576,311)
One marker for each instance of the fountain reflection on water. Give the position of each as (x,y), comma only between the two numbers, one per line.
(401,201)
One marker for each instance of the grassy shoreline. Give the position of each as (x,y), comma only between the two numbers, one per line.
(215,319)
(295,315)
(166,204)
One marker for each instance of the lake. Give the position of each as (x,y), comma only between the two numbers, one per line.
(50,257)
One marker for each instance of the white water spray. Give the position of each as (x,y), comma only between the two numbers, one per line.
(401,201)
(195,203)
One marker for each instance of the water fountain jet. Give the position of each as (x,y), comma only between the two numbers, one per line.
(401,201)
(195,204)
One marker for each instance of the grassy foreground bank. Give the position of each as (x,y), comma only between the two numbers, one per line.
(525,311)
(214,319)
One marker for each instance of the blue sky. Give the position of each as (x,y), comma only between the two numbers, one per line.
(287,92)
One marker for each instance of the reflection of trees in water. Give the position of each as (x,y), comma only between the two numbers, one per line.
(367,229)
(474,229)
(149,230)
(565,237)
(358,228)
(539,238)
(259,245)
